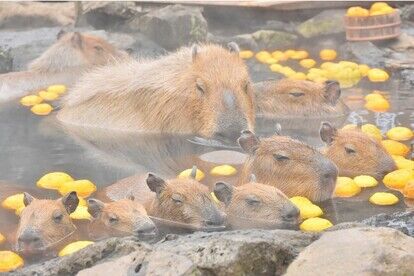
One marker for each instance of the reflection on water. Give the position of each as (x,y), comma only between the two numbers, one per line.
(31,146)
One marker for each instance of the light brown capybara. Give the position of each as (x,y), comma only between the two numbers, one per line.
(177,200)
(62,63)
(255,205)
(119,218)
(355,153)
(293,167)
(298,98)
(202,90)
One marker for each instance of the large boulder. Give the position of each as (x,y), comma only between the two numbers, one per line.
(269,39)
(402,221)
(357,251)
(364,52)
(172,26)
(325,23)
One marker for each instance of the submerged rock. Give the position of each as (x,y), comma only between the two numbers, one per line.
(274,39)
(325,23)
(6,60)
(402,221)
(357,251)
(172,26)
(364,52)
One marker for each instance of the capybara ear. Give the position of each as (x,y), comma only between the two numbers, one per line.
(332,91)
(248,141)
(77,39)
(252,178)
(327,133)
(27,199)
(194,51)
(155,183)
(278,129)
(95,207)
(60,34)
(233,47)
(224,192)
(131,197)
(70,201)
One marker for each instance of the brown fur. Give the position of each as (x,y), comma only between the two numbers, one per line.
(162,95)
(276,99)
(369,156)
(289,165)
(255,205)
(61,63)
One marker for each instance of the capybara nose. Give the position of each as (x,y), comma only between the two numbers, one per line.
(290,213)
(388,165)
(29,237)
(217,220)
(146,228)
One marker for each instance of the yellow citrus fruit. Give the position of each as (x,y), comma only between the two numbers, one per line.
(42,109)
(58,89)
(382,198)
(187,174)
(398,179)
(31,100)
(300,55)
(223,170)
(327,54)
(395,148)
(83,188)
(19,211)
(279,55)
(346,187)
(372,130)
(365,181)
(378,6)
(262,56)
(246,54)
(81,212)
(289,53)
(48,96)
(403,163)
(377,105)
(73,247)
(315,225)
(53,180)
(275,67)
(270,60)
(287,71)
(10,261)
(377,75)
(373,97)
(363,69)
(13,202)
(357,12)
(298,76)
(307,63)
(408,191)
(400,134)
(309,211)
(300,200)
(215,199)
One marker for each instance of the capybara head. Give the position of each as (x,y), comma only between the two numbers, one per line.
(76,50)
(256,205)
(355,153)
(289,165)
(185,201)
(120,218)
(293,98)
(224,94)
(44,223)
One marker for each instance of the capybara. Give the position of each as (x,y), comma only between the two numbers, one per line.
(255,205)
(295,168)
(298,98)
(202,90)
(176,200)
(45,223)
(124,217)
(355,153)
(62,63)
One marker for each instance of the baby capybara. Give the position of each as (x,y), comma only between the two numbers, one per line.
(119,218)
(295,168)
(62,63)
(255,205)
(298,98)
(355,153)
(202,90)
(44,223)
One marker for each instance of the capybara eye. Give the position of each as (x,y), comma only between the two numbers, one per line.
(246,87)
(178,199)
(280,157)
(57,216)
(252,200)
(113,219)
(98,48)
(200,86)
(297,94)
(350,150)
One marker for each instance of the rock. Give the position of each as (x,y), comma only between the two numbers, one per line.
(402,43)
(325,23)
(6,60)
(107,250)
(357,251)
(172,26)
(407,79)
(36,14)
(245,41)
(407,13)
(364,52)
(402,221)
(274,39)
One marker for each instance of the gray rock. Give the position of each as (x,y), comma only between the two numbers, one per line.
(172,26)
(274,39)
(402,221)
(6,60)
(325,23)
(364,52)
(245,41)
(357,251)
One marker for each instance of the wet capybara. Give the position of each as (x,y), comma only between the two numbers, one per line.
(124,217)
(45,223)
(62,63)
(298,98)
(202,90)
(355,153)
(255,205)
(295,168)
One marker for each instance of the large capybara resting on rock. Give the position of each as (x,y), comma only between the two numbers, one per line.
(202,90)
(61,63)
